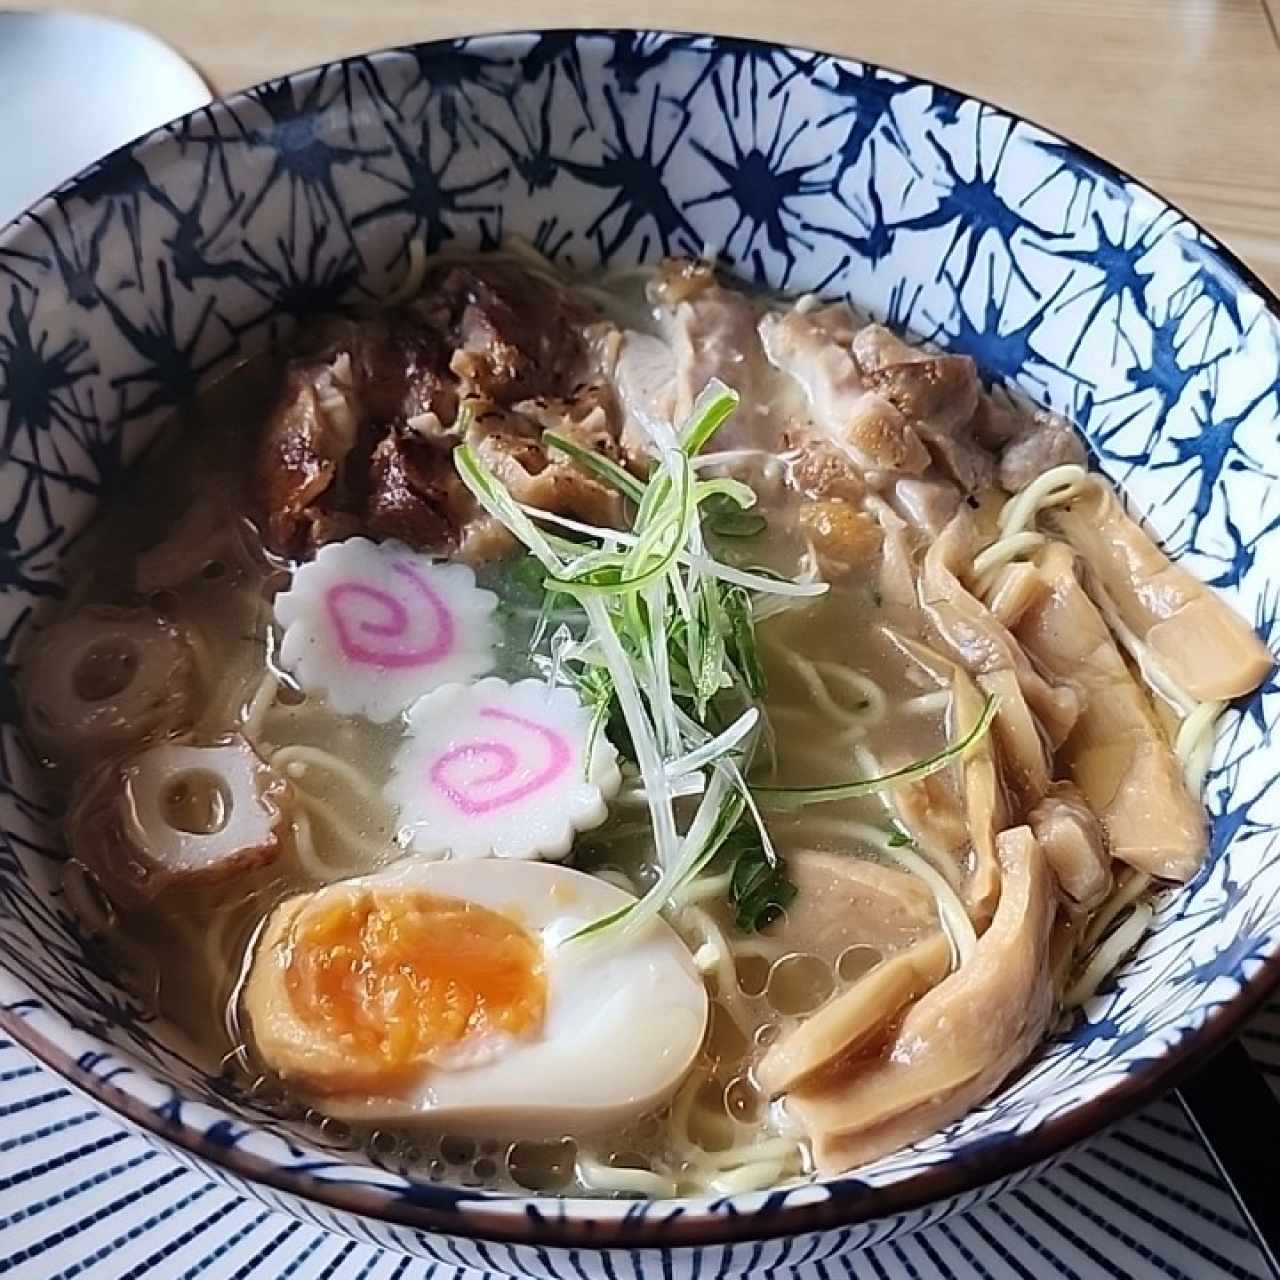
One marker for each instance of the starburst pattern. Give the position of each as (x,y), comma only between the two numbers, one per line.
(636,177)
(973,208)
(762,187)
(423,194)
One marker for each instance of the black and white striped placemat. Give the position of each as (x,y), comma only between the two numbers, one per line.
(82,1197)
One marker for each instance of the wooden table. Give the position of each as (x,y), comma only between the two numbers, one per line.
(1183,93)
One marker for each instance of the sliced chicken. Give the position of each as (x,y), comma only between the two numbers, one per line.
(642,369)
(355,439)
(1116,753)
(304,447)
(712,334)
(875,347)
(513,450)
(958,1042)
(937,394)
(1041,442)
(587,417)
(858,1019)
(1074,844)
(1207,648)
(989,652)
(994,424)
(820,469)
(845,901)
(843,537)
(875,434)
(513,332)
(927,505)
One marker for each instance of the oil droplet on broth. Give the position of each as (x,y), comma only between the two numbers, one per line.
(542,1166)
(799,984)
(742,1101)
(855,962)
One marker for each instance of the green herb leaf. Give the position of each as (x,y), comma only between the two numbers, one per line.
(758,889)
(898,839)
(737,524)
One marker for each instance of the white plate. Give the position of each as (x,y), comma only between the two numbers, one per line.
(76,87)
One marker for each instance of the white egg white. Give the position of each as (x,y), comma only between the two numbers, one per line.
(622,1026)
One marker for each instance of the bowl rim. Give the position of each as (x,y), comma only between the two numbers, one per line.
(850,1202)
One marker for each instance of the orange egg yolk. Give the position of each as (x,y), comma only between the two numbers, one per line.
(399,979)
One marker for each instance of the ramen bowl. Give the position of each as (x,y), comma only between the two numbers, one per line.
(208,241)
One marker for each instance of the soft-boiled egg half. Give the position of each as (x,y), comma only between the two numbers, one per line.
(453,993)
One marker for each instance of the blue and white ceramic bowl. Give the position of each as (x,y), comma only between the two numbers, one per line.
(208,240)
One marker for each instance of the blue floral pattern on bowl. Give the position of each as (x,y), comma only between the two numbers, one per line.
(207,241)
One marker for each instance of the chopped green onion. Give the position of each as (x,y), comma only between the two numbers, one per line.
(736,604)
(710,410)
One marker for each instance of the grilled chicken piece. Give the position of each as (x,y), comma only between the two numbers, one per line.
(1041,442)
(874,433)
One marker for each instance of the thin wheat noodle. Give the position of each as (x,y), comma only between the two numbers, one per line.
(703,889)
(415,271)
(749,1177)
(326,813)
(1109,955)
(295,760)
(1133,887)
(597,1176)
(724,969)
(1195,742)
(990,560)
(811,678)
(255,714)
(926,703)
(1056,486)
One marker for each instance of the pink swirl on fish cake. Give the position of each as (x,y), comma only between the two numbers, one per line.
(355,632)
(506,764)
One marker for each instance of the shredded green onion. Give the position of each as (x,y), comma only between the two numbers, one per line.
(605,468)
(784,798)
